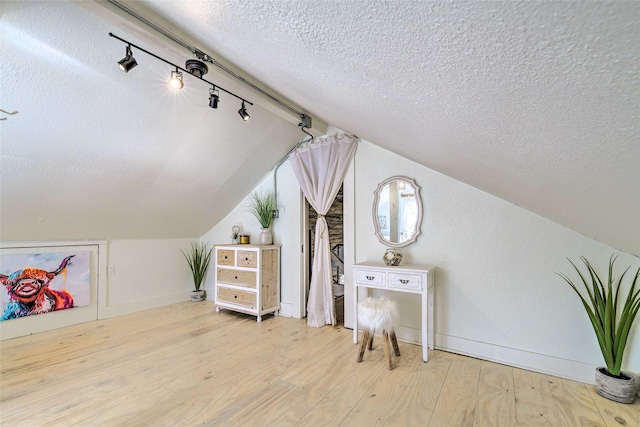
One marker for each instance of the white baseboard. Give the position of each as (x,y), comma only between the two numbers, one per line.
(286,309)
(28,325)
(409,335)
(105,312)
(556,366)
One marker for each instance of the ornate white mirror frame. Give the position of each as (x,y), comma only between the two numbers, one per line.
(399,224)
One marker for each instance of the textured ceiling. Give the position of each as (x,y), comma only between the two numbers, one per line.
(534,102)
(95,153)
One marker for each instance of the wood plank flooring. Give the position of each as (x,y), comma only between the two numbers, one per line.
(186,365)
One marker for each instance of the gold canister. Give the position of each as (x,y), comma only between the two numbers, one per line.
(244,239)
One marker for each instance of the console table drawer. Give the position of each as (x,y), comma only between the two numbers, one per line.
(237,277)
(236,296)
(370,278)
(405,281)
(247,259)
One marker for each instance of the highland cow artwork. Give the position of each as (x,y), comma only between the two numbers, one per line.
(44,282)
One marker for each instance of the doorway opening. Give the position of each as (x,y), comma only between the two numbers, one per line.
(335,223)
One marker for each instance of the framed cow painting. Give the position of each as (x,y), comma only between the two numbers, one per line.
(39,283)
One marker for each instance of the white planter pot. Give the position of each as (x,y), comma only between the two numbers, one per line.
(265,238)
(617,389)
(197,296)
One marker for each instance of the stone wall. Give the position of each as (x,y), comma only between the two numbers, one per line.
(334,221)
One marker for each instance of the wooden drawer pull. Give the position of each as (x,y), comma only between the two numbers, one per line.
(246,259)
(404,281)
(370,277)
(235,277)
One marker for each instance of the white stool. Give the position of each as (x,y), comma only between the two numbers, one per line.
(378,314)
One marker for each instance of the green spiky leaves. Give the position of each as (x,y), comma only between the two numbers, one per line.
(198,258)
(610,317)
(262,206)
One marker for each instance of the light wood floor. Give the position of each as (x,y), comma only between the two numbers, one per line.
(186,365)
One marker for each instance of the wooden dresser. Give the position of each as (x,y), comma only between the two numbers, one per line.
(247,279)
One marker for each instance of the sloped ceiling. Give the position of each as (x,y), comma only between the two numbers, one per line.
(534,102)
(96,153)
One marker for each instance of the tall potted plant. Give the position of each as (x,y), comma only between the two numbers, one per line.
(263,206)
(198,258)
(611,315)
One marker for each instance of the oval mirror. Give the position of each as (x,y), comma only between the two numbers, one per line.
(397,211)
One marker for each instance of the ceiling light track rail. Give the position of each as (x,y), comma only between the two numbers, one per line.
(177,67)
(305,119)
(204,57)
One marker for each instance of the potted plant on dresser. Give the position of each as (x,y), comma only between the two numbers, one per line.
(611,314)
(198,258)
(263,205)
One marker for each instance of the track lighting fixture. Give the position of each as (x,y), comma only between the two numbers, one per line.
(128,62)
(176,79)
(214,98)
(243,113)
(193,67)
(305,121)
(198,54)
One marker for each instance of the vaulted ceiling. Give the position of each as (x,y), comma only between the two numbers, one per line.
(534,102)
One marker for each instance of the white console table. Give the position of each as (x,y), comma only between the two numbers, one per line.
(415,279)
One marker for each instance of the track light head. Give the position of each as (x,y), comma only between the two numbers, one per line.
(176,80)
(128,62)
(243,113)
(214,98)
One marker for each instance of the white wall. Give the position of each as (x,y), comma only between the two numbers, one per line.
(497,296)
(148,274)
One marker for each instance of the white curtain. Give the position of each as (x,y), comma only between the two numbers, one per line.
(320,166)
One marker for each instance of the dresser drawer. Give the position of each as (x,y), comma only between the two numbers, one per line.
(237,277)
(247,259)
(405,281)
(370,278)
(226,257)
(236,296)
